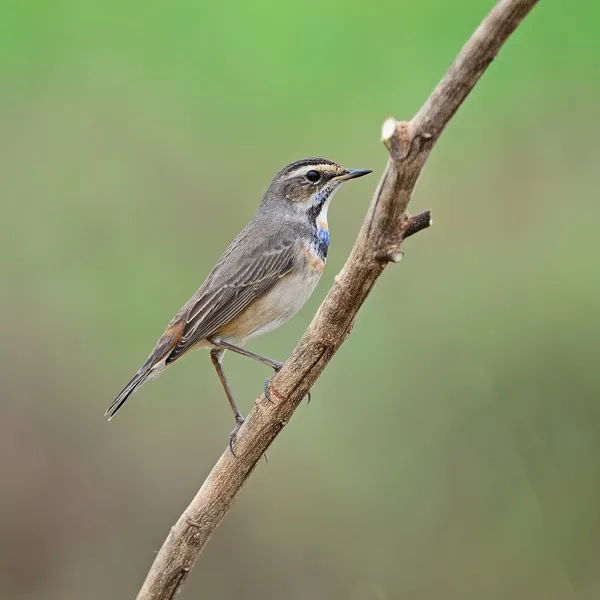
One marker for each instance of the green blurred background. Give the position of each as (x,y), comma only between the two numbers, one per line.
(452,446)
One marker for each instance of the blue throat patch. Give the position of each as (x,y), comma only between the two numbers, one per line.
(322,242)
(323,236)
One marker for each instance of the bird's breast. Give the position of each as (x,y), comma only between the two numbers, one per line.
(276,307)
(314,258)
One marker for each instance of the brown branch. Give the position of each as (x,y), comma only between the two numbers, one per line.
(385,227)
(418,223)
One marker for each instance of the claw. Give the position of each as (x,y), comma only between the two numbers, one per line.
(231,446)
(268,394)
(266,389)
(239,422)
(277,367)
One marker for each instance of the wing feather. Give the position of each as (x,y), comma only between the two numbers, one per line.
(222,299)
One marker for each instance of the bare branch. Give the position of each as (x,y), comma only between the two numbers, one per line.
(418,223)
(385,227)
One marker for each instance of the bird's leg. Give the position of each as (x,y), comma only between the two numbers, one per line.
(216,356)
(274,364)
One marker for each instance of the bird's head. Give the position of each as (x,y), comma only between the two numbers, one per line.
(309,184)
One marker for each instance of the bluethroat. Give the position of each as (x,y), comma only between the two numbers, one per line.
(264,277)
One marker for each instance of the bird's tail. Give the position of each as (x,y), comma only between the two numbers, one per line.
(152,367)
(136,382)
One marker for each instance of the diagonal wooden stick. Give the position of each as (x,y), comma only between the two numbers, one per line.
(385,227)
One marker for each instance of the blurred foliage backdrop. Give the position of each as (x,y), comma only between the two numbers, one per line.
(452,447)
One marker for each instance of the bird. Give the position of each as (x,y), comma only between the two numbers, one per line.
(262,279)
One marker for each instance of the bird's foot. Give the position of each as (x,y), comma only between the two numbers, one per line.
(239,421)
(276,368)
(266,388)
(268,394)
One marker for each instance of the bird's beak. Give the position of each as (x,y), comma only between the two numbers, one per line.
(352,174)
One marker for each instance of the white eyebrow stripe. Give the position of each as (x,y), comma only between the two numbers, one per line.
(306,168)
(297,171)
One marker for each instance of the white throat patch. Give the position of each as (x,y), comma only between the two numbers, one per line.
(328,193)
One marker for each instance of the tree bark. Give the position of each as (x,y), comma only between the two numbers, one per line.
(386,225)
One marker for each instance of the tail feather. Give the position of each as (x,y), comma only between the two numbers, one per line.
(152,367)
(137,381)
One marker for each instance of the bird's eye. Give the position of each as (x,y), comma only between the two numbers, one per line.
(313,176)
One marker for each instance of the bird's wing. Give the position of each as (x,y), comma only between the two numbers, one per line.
(231,288)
